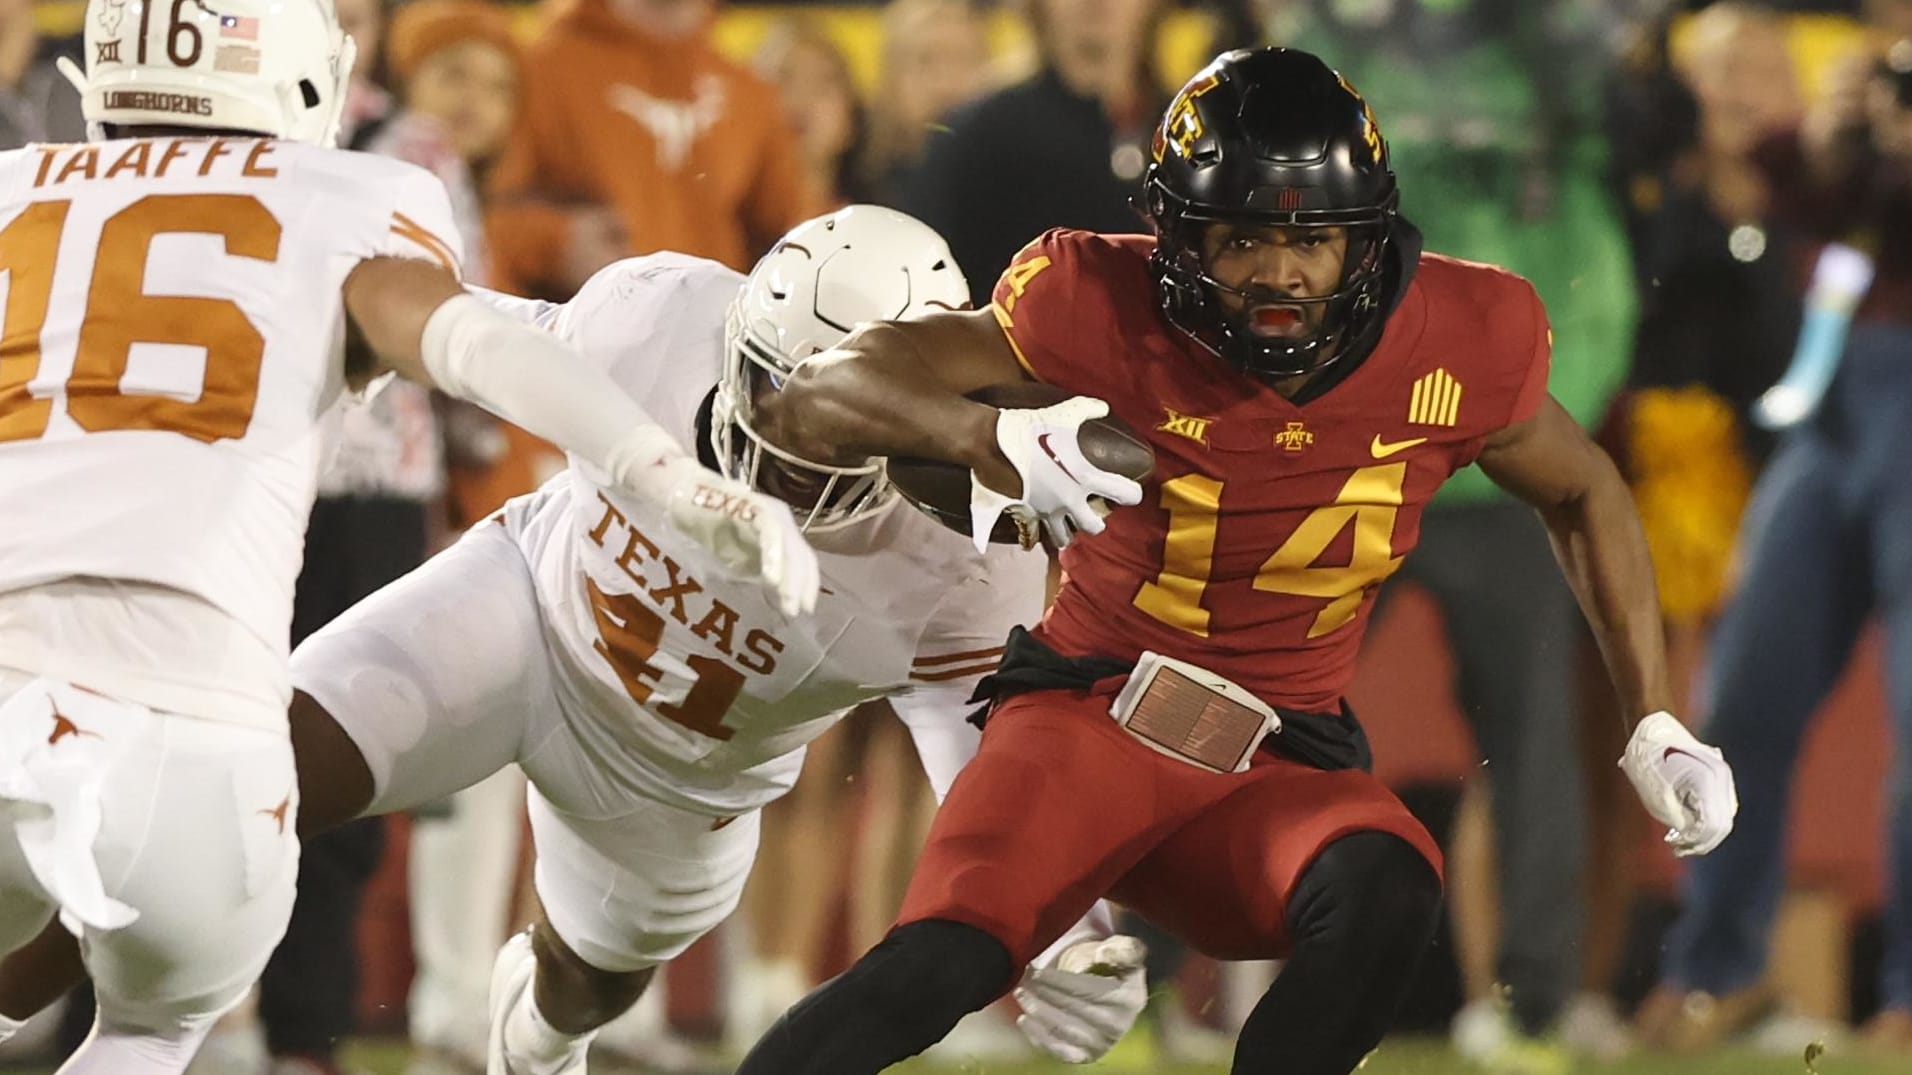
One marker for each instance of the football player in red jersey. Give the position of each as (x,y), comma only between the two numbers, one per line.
(1173,734)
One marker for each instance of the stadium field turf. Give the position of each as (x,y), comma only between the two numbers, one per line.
(1400,1056)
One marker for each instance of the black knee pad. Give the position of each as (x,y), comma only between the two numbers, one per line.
(1370,892)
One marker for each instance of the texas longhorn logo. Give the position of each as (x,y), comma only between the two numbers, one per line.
(64,728)
(111,14)
(279,812)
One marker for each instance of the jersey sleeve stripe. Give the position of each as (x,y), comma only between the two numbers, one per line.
(952,658)
(953,673)
(406,228)
(1002,319)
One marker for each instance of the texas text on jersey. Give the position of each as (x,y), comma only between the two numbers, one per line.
(691,685)
(1268,524)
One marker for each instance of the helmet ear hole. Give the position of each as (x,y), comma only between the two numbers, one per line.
(309,92)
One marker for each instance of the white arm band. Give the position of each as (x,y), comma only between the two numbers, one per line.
(533,380)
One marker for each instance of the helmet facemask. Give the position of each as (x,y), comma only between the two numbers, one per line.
(1197,303)
(1272,138)
(823,496)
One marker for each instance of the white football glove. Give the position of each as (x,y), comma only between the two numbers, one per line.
(1684,783)
(1079,1008)
(1059,486)
(752,534)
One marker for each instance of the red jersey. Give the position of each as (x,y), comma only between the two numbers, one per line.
(1267,525)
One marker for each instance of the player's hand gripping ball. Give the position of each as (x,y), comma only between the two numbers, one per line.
(942,490)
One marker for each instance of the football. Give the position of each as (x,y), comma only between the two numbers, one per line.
(941,490)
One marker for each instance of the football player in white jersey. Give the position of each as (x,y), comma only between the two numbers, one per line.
(654,705)
(178,292)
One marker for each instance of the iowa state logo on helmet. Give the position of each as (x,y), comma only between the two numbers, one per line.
(1372,132)
(1182,124)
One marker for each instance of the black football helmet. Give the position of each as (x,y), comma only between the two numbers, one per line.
(1271,136)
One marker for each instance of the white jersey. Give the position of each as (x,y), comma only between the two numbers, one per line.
(693,684)
(173,337)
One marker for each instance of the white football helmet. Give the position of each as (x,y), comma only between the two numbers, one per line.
(273,67)
(827,276)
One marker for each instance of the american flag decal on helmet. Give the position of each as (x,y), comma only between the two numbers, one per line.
(239,27)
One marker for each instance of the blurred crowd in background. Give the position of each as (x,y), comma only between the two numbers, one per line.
(1682,182)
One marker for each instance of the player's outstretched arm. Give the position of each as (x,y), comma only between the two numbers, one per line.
(1549,462)
(420,322)
(898,389)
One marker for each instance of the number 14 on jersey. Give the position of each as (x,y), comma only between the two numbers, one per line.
(1369,501)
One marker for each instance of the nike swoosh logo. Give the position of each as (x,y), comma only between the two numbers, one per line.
(1043,443)
(1382,449)
(1670,751)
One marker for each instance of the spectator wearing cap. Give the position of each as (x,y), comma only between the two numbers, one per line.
(457,70)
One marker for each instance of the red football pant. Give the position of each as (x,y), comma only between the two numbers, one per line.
(1061,807)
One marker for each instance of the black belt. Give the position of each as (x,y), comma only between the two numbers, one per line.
(1328,741)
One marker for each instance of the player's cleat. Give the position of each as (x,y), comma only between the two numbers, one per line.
(511,976)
